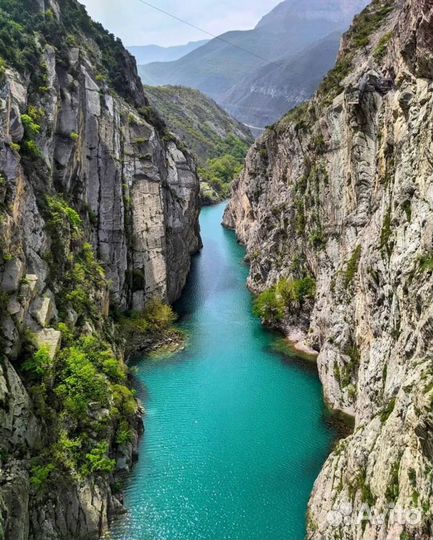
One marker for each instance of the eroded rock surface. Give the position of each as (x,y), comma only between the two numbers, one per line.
(341,189)
(73,133)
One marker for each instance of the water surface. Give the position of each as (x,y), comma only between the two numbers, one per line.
(235,432)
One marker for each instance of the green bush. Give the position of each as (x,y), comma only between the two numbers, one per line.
(61,213)
(124,434)
(386,233)
(97,461)
(124,401)
(288,296)
(101,356)
(296,291)
(15,147)
(426,263)
(81,383)
(393,487)
(40,475)
(32,149)
(159,315)
(269,306)
(387,410)
(2,69)
(39,364)
(31,128)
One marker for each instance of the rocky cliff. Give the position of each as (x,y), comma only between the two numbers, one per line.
(218,142)
(98,213)
(339,194)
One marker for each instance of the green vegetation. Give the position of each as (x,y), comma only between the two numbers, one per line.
(364,26)
(288,296)
(98,460)
(331,86)
(25,30)
(84,278)
(72,391)
(387,411)
(32,129)
(386,233)
(393,487)
(218,142)
(39,364)
(2,69)
(65,227)
(220,172)
(369,21)
(382,47)
(15,147)
(359,484)
(426,262)
(157,319)
(40,475)
(301,117)
(352,267)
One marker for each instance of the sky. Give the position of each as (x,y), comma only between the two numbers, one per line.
(138,24)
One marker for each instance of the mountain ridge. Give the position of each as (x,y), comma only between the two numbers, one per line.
(221,64)
(146,54)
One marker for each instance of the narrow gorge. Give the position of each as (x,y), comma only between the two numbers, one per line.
(300,407)
(335,208)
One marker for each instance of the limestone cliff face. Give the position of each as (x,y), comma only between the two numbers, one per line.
(341,189)
(79,149)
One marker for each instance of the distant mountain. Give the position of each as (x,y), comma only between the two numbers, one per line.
(218,142)
(145,54)
(289,28)
(263,97)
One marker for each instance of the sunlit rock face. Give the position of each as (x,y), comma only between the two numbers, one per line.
(341,190)
(71,131)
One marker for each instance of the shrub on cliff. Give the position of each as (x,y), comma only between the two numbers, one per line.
(269,306)
(288,296)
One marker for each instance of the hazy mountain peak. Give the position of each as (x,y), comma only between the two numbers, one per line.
(335,11)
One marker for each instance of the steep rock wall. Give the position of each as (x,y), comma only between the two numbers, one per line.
(83,158)
(341,190)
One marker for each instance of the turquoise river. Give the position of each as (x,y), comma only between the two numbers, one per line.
(236,431)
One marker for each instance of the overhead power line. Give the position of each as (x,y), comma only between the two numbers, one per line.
(219,38)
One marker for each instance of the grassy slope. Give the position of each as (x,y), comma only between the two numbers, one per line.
(218,141)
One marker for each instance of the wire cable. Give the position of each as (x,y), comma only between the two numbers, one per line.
(219,38)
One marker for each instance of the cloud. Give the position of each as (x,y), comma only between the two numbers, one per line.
(139,24)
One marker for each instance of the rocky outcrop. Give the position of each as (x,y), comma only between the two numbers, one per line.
(97,209)
(207,131)
(340,190)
